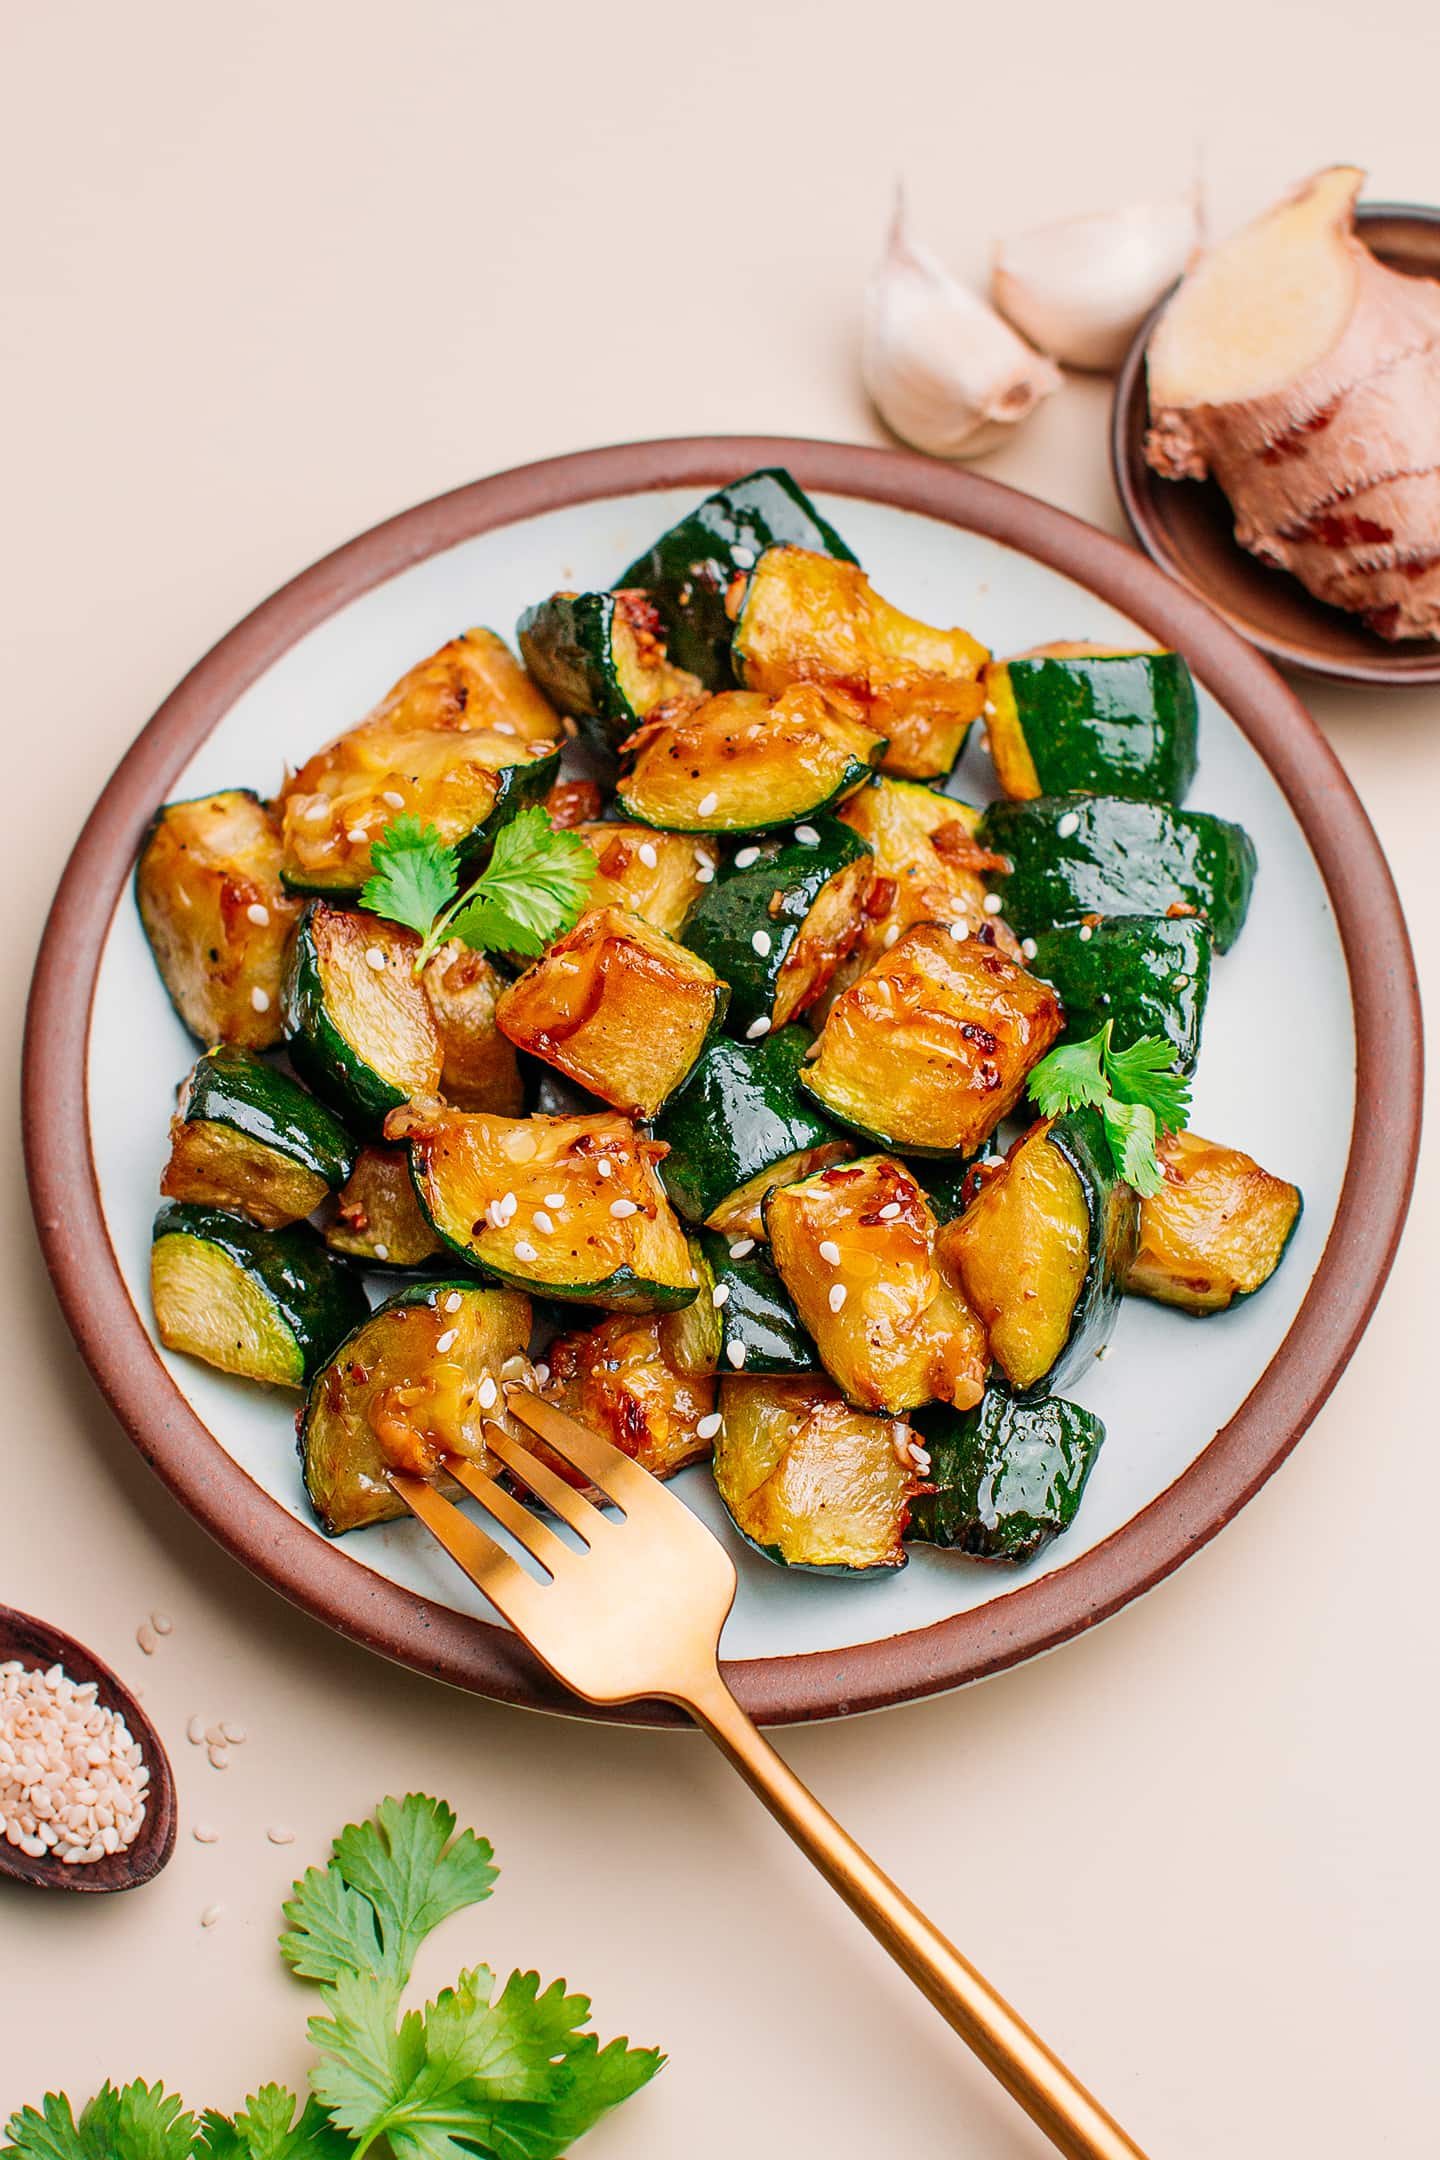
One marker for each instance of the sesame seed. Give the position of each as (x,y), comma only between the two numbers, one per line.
(1029,948)
(890,1210)
(260,999)
(524,1250)
(1068,826)
(1182,982)
(892,935)
(762,942)
(375,958)
(278,1834)
(746,856)
(554,1199)
(542,1374)
(448,1339)
(215,1735)
(621,1208)
(705,874)
(741,1247)
(258,913)
(487,1393)
(743,557)
(543,1222)
(145,1638)
(210,1915)
(807,836)
(959,929)
(720,1295)
(71,1777)
(195,1731)
(993,903)
(707,805)
(395,800)
(708,1426)
(1086,933)
(357,834)
(757,1028)
(382,1252)
(830,1252)
(604,1168)
(219,1758)
(205,1834)
(503,727)
(453,1302)
(837,1296)
(316,810)
(647,854)
(735,1351)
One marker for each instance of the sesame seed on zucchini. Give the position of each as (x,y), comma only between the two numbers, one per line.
(739,1125)
(780,918)
(656,875)
(740,762)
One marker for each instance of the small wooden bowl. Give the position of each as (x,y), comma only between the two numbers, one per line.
(1187,527)
(39,1646)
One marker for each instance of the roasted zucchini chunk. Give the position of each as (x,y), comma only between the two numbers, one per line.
(570,1207)
(1149,974)
(479,1069)
(208,888)
(377,1216)
(740,1125)
(811,1483)
(458,743)
(855,1248)
(757,1329)
(358,1024)
(1006,1477)
(1042,1251)
(930,1049)
(247,1138)
(413,1384)
(600,657)
(619,1007)
(1216,1230)
(692,568)
(656,875)
(267,1304)
(618,1379)
(1093,724)
(806,618)
(741,762)
(1073,856)
(779,919)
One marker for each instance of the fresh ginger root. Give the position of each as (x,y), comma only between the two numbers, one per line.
(1305,377)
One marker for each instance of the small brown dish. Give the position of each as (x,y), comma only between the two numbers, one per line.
(1188,529)
(39,1646)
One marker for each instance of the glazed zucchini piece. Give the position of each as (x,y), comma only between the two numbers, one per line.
(805,617)
(1150,974)
(265,1304)
(478,1066)
(779,919)
(1217,1229)
(1007,1477)
(413,1384)
(618,1007)
(811,1483)
(855,1247)
(739,1125)
(1078,855)
(207,884)
(462,742)
(359,1026)
(569,1207)
(1042,1252)
(1120,723)
(656,875)
(619,1379)
(600,657)
(377,1217)
(691,569)
(931,1048)
(249,1138)
(757,1329)
(741,762)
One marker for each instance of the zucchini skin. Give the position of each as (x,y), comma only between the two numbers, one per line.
(1117,724)
(739,1111)
(1119,857)
(1080,1137)
(231,1086)
(724,922)
(1150,974)
(757,1312)
(1009,1475)
(569,645)
(688,571)
(319,1052)
(319,1301)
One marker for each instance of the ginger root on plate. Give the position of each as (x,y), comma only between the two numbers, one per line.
(1304,376)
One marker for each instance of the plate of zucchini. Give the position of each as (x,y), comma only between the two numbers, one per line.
(833,972)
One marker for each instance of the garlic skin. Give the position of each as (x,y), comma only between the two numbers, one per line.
(942,369)
(1080,289)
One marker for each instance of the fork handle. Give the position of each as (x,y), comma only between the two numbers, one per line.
(1051,2096)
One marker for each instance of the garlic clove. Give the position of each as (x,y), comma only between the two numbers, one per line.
(942,368)
(1080,289)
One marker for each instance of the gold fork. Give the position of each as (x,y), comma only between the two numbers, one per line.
(638,1614)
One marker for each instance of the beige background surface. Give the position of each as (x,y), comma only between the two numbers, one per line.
(276,271)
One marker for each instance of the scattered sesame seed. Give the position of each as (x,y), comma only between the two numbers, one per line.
(524,1250)
(741,1247)
(1029,948)
(542,1374)
(219,1758)
(746,856)
(837,1296)
(705,874)
(920,1457)
(735,1351)
(258,913)
(830,1252)
(604,1167)
(554,1199)
(762,942)
(1068,826)
(210,1915)
(195,1731)
(382,1252)
(375,958)
(487,1393)
(205,1834)
(757,1028)
(720,1295)
(890,1210)
(145,1638)
(1086,933)
(621,1208)
(357,834)
(235,1734)
(260,999)
(708,804)
(543,1222)
(1182,982)
(807,836)
(316,810)
(743,557)
(503,727)
(516,1369)
(448,1340)
(278,1834)
(993,903)
(453,1302)
(394,799)
(162,1623)
(708,1426)
(215,1735)
(647,854)
(959,929)
(892,935)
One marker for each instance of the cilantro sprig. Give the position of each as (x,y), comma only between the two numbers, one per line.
(529,893)
(1137,1092)
(508,2073)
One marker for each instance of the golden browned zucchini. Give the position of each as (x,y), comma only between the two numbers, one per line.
(656,875)
(462,742)
(930,1049)
(810,1482)
(617,1379)
(377,1216)
(619,1007)
(741,762)
(570,1207)
(855,1247)
(248,1138)
(1216,1230)
(217,916)
(806,617)
(479,1070)
(359,1025)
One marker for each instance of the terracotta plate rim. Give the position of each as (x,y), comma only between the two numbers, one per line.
(1408,667)
(1035,1616)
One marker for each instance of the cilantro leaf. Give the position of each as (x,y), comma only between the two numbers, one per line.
(134,2122)
(1070,1077)
(586,2085)
(531,891)
(1137,1092)
(332,1928)
(414,874)
(1130,1130)
(1145,1074)
(265,2129)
